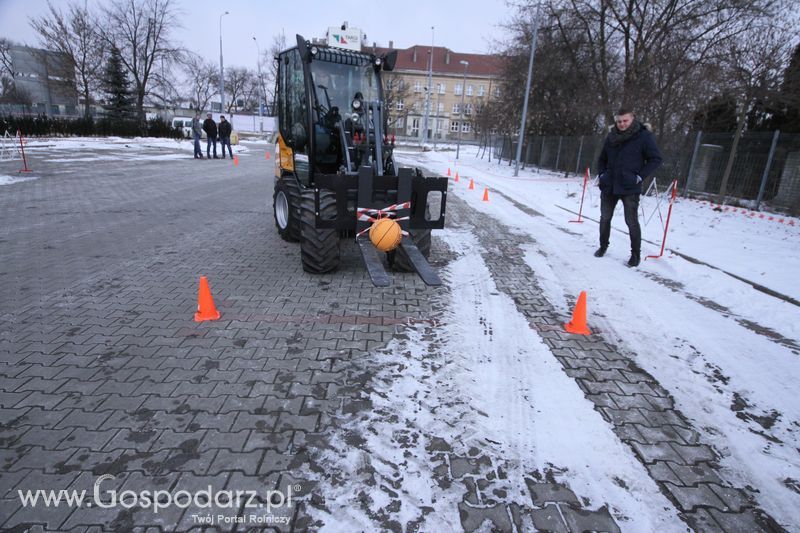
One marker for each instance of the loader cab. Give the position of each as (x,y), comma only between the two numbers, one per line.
(323,97)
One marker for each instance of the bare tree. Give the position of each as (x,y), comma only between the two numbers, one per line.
(237,82)
(271,59)
(396,94)
(753,72)
(76,35)
(6,67)
(202,77)
(141,30)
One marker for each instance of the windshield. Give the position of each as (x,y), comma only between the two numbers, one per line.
(336,84)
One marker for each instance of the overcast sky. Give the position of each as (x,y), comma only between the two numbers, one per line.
(461,25)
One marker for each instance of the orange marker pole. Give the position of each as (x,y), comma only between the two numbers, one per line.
(666,226)
(580,211)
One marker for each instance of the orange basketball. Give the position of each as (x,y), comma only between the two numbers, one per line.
(385,234)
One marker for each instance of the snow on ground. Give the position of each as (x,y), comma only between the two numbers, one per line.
(728,353)
(482,378)
(8,180)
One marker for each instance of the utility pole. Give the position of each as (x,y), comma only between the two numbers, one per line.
(428,93)
(463,90)
(263,96)
(221,71)
(521,138)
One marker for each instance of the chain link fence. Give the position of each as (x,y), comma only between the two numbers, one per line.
(766,166)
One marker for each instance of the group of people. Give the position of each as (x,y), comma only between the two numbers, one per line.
(213,131)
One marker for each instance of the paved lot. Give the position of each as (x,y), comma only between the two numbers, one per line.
(104,373)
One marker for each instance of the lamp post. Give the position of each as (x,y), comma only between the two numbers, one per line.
(463,90)
(426,113)
(521,138)
(221,71)
(263,96)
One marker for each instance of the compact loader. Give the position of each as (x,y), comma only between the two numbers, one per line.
(335,174)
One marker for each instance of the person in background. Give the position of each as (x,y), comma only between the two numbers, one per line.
(210,127)
(225,129)
(197,132)
(629,155)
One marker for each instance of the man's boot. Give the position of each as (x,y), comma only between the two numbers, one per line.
(600,252)
(634,260)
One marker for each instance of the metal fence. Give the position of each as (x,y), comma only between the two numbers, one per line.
(766,166)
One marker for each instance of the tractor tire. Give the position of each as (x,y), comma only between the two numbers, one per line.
(398,259)
(286,208)
(319,248)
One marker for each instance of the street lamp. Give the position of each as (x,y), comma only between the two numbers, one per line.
(221,72)
(427,110)
(463,90)
(260,81)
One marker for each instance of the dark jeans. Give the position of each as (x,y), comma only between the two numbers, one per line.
(630,204)
(197,150)
(226,141)
(210,140)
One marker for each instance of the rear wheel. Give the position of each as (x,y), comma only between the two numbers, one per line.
(319,248)
(286,208)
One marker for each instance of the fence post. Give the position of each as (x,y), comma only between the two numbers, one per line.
(767,169)
(541,154)
(578,160)
(558,152)
(691,163)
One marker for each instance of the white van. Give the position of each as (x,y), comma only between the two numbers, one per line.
(185,123)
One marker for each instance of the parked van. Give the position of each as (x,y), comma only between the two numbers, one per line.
(185,123)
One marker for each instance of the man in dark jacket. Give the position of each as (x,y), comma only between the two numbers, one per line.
(210,127)
(629,156)
(225,136)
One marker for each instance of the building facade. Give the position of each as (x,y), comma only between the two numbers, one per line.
(45,79)
(460,85)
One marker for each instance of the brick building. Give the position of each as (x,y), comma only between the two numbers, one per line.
(452,83)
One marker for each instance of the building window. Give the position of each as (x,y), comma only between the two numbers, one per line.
(440,107)
(400,105)
(458,89)
(456,109)
(442,88)
(399,123)
(417,86)
(481,90)
(478,109)
(497,92)
(469,90)
(454,126)
(467,109)
(465,127)
(439,124)
(415,127)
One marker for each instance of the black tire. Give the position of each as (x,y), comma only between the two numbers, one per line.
(287,215)
(319,248)
(398,259)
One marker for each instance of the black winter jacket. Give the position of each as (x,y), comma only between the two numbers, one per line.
(623,166)
(224,128)
(210,127)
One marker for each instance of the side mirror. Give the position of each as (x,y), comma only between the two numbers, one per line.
(389,60)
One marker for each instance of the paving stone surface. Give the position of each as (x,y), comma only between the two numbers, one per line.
(105,375)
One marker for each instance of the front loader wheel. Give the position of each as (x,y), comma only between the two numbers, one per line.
(286,208)
(319,248)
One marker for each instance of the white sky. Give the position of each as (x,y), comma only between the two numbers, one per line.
(462,25)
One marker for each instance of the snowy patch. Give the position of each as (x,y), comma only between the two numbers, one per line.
(8,180)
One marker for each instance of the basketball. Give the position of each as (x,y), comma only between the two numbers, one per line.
(385,234)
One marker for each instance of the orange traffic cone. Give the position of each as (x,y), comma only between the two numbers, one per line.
(206,310)
(236,160)
(448,172)
(578,323)
(486,194)
(456,180)
(471,185)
